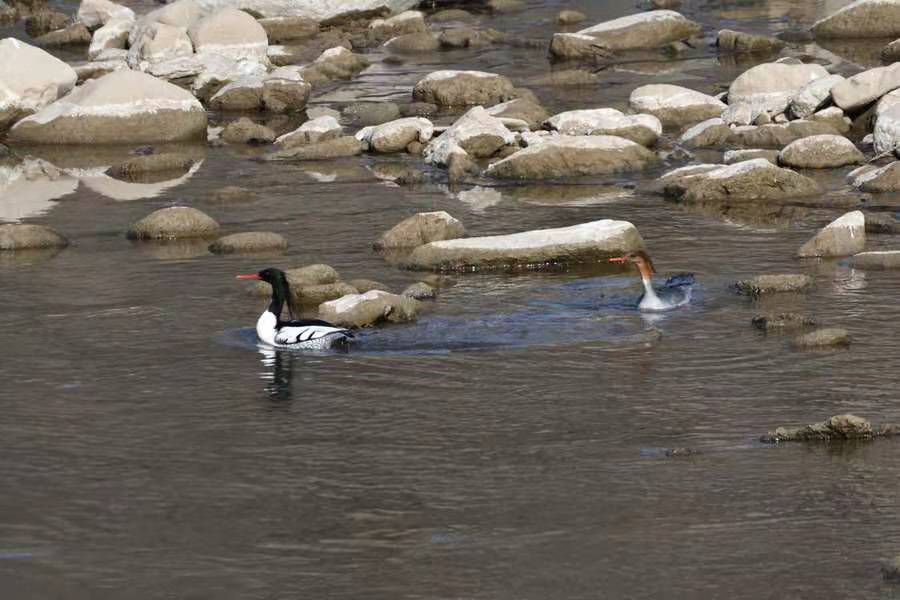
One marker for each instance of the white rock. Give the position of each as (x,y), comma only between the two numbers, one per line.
(842,237)
(113,35)
(866,87)
(242,94)
(887,101)
(120,108)
(643,30)
(99,68)
(740,113)
(315,130)
(675,104)
(643,129)
(861,19)
(159,42)
(231,33)
(771,86)
(219,71)
(319,10)
(887,130)
(870,178)
(395,136)
(177,68)
(96,13)
(711,132)
(476,127)
(813,96)
(30,188)
(30,79)
(410,21)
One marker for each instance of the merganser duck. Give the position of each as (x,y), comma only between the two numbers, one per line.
(296,334)
(675,292)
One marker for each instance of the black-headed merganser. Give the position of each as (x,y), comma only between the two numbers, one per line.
(675,292)
(298,334)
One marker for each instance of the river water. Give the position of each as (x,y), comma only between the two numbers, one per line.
(511,444)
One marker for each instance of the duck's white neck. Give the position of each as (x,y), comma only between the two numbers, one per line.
(650,301)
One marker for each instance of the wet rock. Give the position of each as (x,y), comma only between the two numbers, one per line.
(837,428)
(783,322)
(813,96)
(476,134)
(822,338)
(439,281)
(673,104)
(363,310)
(778,135)
(96,13)
(460,166)
(531,113)
(395,136)
(876,179)
(418,109)
(505,6)
(367,285)
(880,260)
(245,131)
(420,229)
(467,37)
(820,152)
(324,150)
(249,243)
(736,156)
(244,94)
(735,41)
(573,156)
(413,43)
(74,35)
(569,17)
(708,134)
(219,71)
(567,77)
(646,30)
(740,113)
(119,108)
(113,35)
(419,291)
(842,237)
(833,117)
(44,22)
(371,113)
(887,129)
(338,63)
(158,42)
(755,179)
(289,29)
(641,129)
(866,87)
(410,21)
(139,167)
(173,223)
(890,570)
(770,284)
(861,19)
(285,90)
(30,79)
(20,236)
(233,194)
(544,248)
(315,130)
(771,86)
(463,88)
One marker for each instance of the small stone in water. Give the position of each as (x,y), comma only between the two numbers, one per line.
(419,291)
(823,338)
(838,427)
(890,570)
(782,322)
(767,284)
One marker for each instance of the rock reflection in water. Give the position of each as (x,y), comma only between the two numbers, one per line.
(753,215)
(28,189)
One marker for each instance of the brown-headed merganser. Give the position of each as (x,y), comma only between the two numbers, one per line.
(675,292)
(297,334)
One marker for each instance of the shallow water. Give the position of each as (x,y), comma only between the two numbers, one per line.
(511,444)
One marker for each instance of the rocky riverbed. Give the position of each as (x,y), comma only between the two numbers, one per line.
(447,178)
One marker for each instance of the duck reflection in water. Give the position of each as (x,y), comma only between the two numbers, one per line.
(278,373)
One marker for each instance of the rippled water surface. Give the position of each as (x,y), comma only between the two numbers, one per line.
(511,444)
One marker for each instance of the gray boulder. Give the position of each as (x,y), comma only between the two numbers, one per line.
(396,135)
(285,90)
(755,179)
(813,96)
(21,236)
(771,86)
(253,242)
(364,310)
(419,291)
(710,133)
(820,152)
(463,88)
(175,222)
(876,179)
(531,113)
(770,284)
(30,79)
(778,135)
(861,19)
(476,134)
(866,87)
(315,130)
(844,236)
(736,156)
(412,43)
(641,129)
(420,229)
(289,29)
(675,105)
(652,29)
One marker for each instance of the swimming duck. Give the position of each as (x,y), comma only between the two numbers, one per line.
(675,292)
(296,334)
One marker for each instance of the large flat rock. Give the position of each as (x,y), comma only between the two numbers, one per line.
(543,248)
(644,30)
(30,79)
(861,19)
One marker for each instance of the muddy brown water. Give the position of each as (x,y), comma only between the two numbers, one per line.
(509,445)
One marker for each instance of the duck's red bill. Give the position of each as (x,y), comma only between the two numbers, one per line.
(254,276)
(618,259)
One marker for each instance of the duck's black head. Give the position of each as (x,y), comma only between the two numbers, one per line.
(271,276)
(281,290)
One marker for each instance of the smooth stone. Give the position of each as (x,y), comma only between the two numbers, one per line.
(285,90)
(395,136)
(21,236)
(158,42)
(746,43)
(367,285)
(777,135)
(314,295)
(475,134)
(288,29)
(420,229)
(245,131)
(876,179)
(331,13)
(249,243)
(770,284)
(113,35)
(584,243)
(418,109)
(419,291)
(339,147)
(569,16)
(861,19)
(844,236)
(97,13)
(463,88)
(823,338)
(573,156)
(532,113)
(813,96)
(315,130)
(673,104)
(300,278)
(641,129)
(75,34)
(755,179)
(820,152)
(412,43)
(887,129)
(338,63)
(866,87)
(244,94)
(30,79)
(410,21)
(173,223)
(883,259)
(833,117)
(707,134)
(363,310)
(652,29)
(770,86)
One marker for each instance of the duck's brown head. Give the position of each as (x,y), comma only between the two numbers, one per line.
(640,259)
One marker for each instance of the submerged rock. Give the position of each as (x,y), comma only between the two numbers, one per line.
(412,43)
(755,179)
(175,222)
(883,259)
(736,41)
(363,310)
(249,243)
(783,322)
(233,193)
(642,129)
(323,150)
(673,104)
(371,113)
(572,156)
(837,428)
(21,236)
(138,167)
(652,29)
(543,248)
(463,88)
(821,152)
(842,237)
(122,107)
(769,284)
(771,86)
(861,19)
(245,131)
(30,79)
(829,337)
(420,229)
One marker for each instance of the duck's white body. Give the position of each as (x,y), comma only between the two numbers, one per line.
(311,334)
(664,299)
